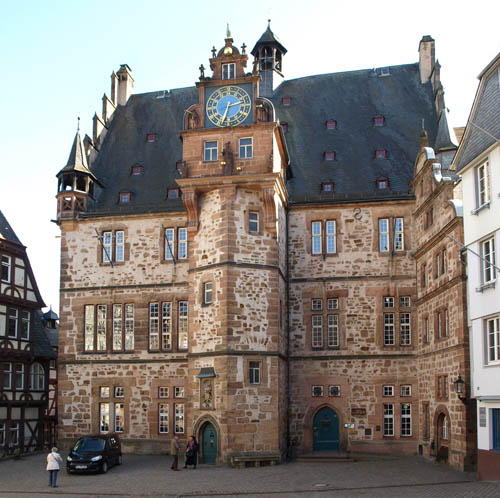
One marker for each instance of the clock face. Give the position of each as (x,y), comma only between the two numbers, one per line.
(228,106)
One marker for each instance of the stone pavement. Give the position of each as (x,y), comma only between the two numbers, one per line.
(150,476)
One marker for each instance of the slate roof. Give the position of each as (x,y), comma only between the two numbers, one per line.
(351,98)
(6,231)
(125,146)
(42,346)
(484,121)
(268,38)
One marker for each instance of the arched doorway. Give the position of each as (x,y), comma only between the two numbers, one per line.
(442,437)
(208,441)
(326,430)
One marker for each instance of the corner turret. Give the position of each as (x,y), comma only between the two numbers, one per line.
(75,182)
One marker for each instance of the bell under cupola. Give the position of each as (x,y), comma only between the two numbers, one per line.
(75,182)
(268,53)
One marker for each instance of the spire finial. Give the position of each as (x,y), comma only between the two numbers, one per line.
(228,31)
(269,23)
(78,126)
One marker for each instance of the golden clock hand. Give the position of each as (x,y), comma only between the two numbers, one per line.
(225,112)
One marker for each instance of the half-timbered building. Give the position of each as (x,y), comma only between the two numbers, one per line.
(25,352)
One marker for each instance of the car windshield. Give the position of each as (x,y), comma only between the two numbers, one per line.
(89,444)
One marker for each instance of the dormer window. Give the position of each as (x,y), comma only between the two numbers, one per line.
(286,101)
(378,121)
(284,126)
(331,125)
(228,71)
(124,197)
(151,137)
(173,193)
(382,183)
(327,187)
(136,170)
(330,156)
(380,154)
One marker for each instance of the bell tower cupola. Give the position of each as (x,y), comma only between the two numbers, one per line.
(268,53)
(75,182)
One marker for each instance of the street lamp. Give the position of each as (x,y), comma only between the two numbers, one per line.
(460,389)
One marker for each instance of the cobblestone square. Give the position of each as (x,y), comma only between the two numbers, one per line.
(144,476)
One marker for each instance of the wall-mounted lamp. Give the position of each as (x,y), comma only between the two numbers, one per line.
(460,389)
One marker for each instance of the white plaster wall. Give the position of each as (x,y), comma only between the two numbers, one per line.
(485,434)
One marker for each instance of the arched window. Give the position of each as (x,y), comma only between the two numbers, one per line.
(37,377)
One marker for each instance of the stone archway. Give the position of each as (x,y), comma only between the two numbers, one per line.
(442,433)
(308,427)
(208,436)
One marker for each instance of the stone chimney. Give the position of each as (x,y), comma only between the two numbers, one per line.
(125,84)
(114,88)
(427,58)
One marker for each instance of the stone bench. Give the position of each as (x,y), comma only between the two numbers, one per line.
(256,459)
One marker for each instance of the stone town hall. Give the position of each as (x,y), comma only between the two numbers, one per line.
(239,263)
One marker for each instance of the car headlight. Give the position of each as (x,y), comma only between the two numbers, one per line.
(96,458)
(69,459)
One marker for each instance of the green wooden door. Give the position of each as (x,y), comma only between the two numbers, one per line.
(209,443)
(326,430)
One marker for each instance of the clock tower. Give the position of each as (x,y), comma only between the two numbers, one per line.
(233,172)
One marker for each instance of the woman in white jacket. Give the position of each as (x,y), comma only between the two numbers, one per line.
(53,461)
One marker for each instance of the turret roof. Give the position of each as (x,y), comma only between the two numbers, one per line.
(268,38)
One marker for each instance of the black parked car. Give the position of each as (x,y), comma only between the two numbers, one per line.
(95,454)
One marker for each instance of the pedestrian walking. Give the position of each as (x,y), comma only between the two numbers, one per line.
(53,461)
(191,452)
(174,451)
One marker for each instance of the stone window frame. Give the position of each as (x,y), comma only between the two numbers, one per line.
(247,148)
(174,323)
(324,237)
(309,313)
(442,387)
(263,370)
(169,400)
(334,391)
(427,420)
(231,71)
(396,311)
(124,323)
(203,292)
(426,329)
(180,245)
(113,259)
(388,414)
(112,401)
(405,390)
(252,208)
(406,419)
(208,151)
(317,391)
(95,329)
(166,415)
(441,323)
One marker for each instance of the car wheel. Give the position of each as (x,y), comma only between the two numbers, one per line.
(119,461)
(104,467)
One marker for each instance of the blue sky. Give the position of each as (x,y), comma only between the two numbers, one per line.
(57,57)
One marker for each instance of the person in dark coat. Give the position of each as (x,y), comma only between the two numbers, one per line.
(191,452)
